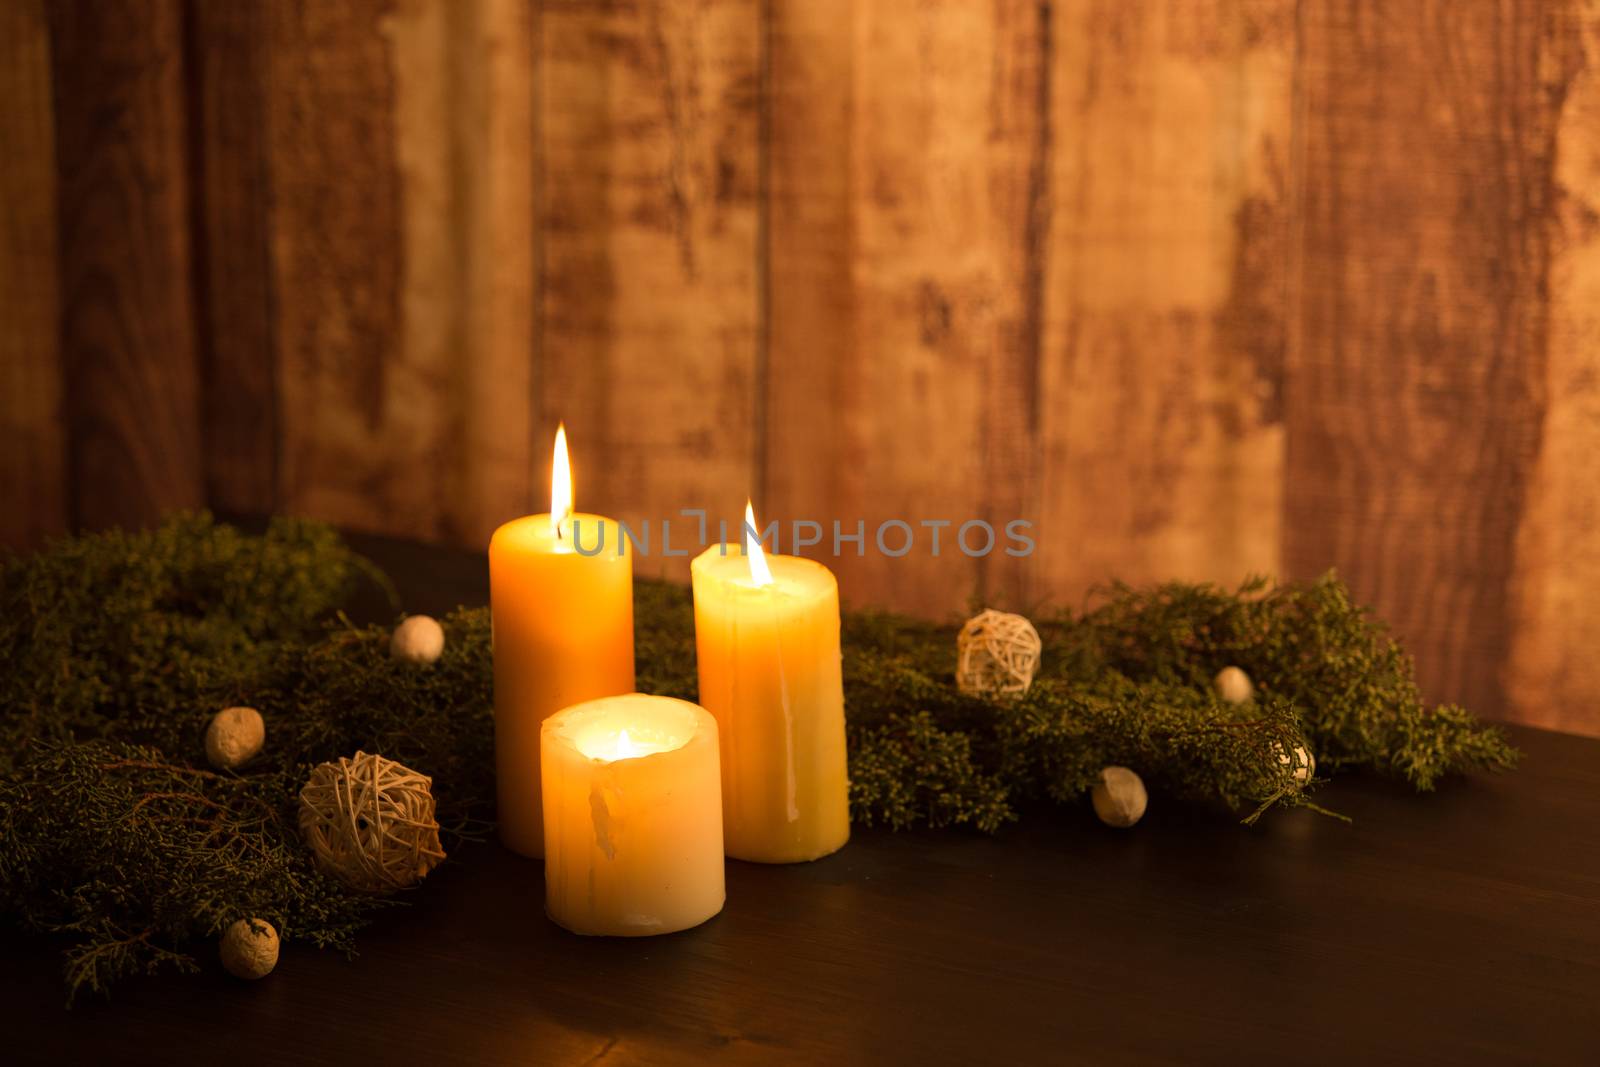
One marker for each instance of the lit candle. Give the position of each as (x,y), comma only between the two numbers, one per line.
(767,639)
(632,816)
(563,633)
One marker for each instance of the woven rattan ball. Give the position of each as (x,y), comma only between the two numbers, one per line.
(1303,762)
(369,822)
(998,654)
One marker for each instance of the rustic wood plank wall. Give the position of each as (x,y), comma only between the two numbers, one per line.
(1201,287)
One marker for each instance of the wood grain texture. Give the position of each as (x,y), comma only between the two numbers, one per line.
(132,403)
(336,272)
(1454,928)
(649,124)
(1419,347)
(1552,674)
(402,264)
(1161,393)
(232,240)
(464,122)
(915,249)
(1199,287)
(32,446)
(808,255)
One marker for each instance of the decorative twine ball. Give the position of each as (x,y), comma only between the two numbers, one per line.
(1305,764)
(998,653)
(1119,797)
(235,737)
(1234,686)
(248,953)
(369,822)
(420,639)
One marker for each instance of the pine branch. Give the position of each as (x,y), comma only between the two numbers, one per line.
(120,647)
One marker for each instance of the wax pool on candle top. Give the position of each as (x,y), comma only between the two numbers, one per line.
(632,816)
(770,674)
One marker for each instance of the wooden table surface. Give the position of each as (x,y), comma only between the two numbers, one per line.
(1462,926)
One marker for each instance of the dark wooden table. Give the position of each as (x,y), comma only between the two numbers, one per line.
(1458,927)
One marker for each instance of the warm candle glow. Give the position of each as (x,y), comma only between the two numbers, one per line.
(560,484)
(752,549)
(602,741)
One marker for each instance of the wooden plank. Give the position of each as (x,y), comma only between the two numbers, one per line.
(1162,378)
(811,322)
(1019,169)
(907,179)
(336,263)
(234,296)
(32,448)
(1553,676)
(400,171)
(648,216)
(1418,351)
(128,342)
(464,123)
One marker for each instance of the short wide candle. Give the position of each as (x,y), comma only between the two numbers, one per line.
(770,673)
(632,816)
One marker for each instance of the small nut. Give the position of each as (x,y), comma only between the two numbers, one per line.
(1119,797)
(1234,686)
(235,737)
(420,639)
(250,953)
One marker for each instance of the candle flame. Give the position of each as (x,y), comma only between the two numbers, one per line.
(602,744)
(560,483)
(759,573)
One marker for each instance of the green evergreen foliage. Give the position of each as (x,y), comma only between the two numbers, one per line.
(120,647)
(1307,645)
